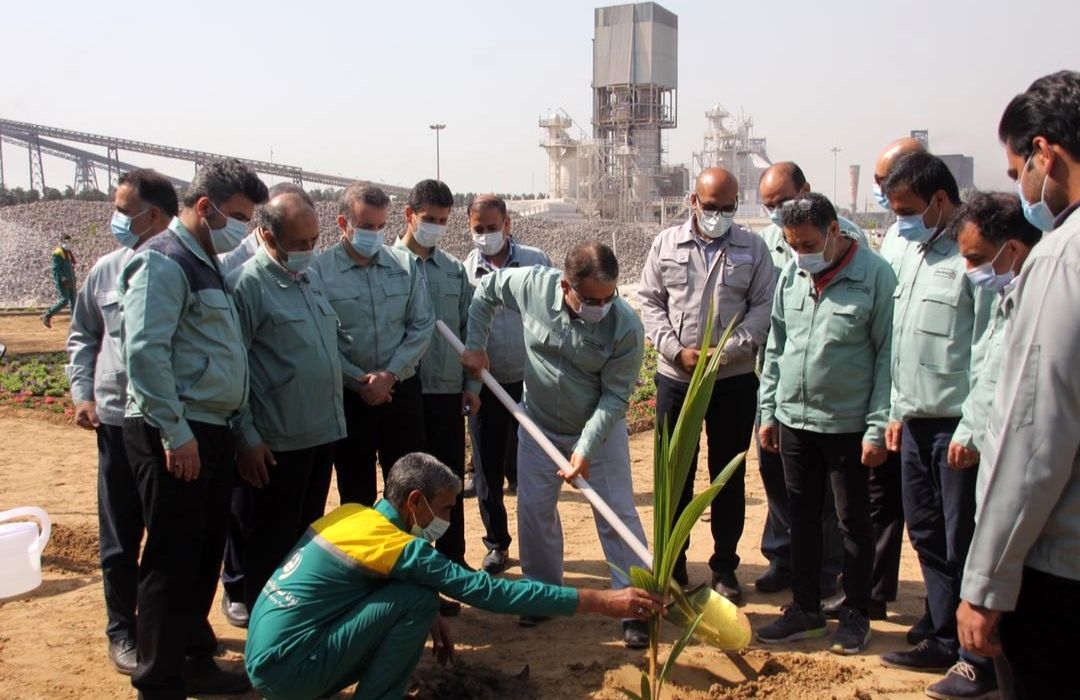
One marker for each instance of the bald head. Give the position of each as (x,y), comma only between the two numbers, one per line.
(288,223)
(716,184)
(893,151)
(781,183)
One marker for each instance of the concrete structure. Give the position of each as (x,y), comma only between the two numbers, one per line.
(635,77)
(963,169)
(853,187)
(729,143)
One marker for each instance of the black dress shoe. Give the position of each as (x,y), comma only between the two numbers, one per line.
(122,654)
(235,612)
(928,655)
(774,579)
(725,583)
(204,677)
(635,634)
(496,561)
(449,608)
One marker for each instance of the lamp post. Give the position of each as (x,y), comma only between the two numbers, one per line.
(437,128)
(835,150)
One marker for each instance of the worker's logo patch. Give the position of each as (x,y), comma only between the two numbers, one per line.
(860,288)
(291,564)
(946,273)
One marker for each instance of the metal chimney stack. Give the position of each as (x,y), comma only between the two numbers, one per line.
(853,183)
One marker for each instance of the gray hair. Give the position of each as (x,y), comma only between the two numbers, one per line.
(591,260)
(361,192)
(421,472)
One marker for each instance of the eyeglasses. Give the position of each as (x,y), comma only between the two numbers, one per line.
(728,210)
(800,203)
(593,301)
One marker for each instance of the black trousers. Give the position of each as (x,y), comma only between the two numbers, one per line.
(1042,635)
(887,517)
(281,512)
(939,506)
(384,433)
(120,529)
(181,561)
(813,464)
(728,424)
(232,571)
(494,432)
(444,429)
(776,535)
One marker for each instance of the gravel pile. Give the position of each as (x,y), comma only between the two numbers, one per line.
(30,232)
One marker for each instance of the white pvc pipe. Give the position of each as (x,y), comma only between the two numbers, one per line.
(553,452)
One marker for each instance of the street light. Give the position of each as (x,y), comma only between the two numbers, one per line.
(437,128)
(835,150)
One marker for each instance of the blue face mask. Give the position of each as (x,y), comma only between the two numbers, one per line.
(813,263)
(881,199)
(367,242)
(121,228)
(1038,214)
(913,227)
(776,215)
(299,260)
(230,235)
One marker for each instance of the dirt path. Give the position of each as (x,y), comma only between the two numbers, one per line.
(52,642)
(23,333)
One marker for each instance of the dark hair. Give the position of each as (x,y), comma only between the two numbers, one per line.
(812,207)
(924,174)
(1050,108)
(153,188)
(432,192)
(998,216)
(359,192)
(790,170)
(290,188)
(221,179)
(485,201)
(592,260)
(418,471)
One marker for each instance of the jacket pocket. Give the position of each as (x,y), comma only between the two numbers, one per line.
(937,312)
(288,330)
(846,323)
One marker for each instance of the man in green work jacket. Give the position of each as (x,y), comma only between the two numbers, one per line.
(294,415)
(357,597)
(448,395)
(938,320)
(377,294)
(63,276)
(583,350)
(187,383)
(824,407)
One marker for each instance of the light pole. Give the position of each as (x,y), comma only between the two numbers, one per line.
(437,128)
(835,150)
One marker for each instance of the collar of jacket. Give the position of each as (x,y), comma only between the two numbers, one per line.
(188,240)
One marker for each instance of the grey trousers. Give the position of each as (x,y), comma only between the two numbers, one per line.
(540,536)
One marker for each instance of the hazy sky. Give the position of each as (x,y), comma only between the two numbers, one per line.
(351,89)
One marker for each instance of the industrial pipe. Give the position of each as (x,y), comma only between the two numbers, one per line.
(553,452)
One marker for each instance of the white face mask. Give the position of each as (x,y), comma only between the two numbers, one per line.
(230,235)
(985,276)
(434,530)
(489,244)
(590,313)
(428,234)
(714,224)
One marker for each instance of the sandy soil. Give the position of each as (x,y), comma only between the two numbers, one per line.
(22,332)
(52,642)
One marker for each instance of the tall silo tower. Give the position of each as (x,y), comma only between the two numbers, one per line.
(635,77)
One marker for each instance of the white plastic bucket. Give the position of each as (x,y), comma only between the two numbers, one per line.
(21,545)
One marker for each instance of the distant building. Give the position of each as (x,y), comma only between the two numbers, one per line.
(963,169)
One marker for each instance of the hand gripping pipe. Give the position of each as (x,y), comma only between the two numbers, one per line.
(561,462)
